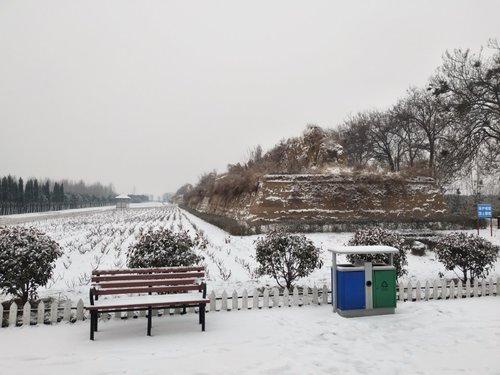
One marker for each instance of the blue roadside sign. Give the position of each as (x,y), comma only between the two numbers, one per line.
(484,210)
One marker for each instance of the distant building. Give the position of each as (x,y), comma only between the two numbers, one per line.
(122,201)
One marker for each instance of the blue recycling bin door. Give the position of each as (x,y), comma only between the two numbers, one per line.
(350,288)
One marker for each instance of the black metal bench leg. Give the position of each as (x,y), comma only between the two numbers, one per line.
(96,320)
(202,316)
(150,317)
(92,326)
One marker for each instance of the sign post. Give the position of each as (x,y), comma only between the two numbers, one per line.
(484,211)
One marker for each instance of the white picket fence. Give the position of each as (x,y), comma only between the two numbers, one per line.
(66,311)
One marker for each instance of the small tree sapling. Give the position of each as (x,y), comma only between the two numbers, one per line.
(472,255)
(286,257)
(164,248)
(27,260)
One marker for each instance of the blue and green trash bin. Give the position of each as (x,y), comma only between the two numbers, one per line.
(366,289)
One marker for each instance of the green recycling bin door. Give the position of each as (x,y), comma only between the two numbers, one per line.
(384,286)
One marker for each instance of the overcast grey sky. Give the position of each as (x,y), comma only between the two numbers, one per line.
(151,94)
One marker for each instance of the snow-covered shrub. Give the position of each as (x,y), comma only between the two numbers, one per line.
(473,256)
(286,257)
(379,236)
(163,248)
(27,260)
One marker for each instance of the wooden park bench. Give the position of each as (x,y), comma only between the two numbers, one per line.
(147,289)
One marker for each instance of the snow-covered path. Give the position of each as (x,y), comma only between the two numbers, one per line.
(441,337)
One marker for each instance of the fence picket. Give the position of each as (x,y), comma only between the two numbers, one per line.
(467,289)
(255,302)
(483,288)
(418,290)
(224,301)
(452,290)
(315,300)
(460,289)
(244,300)
(498,286)
(435,290)
(53,311)
(234,300)
(476,288)
(401,292)
(265,303)
(213,301)
(286,298)
(13,314)
(444,289)
(305,296)
(491,287)
(409,293)
(79,310)
(324,295)
(427,292)
(26,314)
(1,315)
(295,296)
(67,311)
(276,297)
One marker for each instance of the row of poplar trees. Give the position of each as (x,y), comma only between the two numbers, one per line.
(17,196)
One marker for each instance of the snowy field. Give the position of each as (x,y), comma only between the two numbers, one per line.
(438,337)
(101,239)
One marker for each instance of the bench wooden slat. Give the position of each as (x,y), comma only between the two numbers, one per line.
(155,289)
(123,284)
(147,270)
(132,303)
(148,276)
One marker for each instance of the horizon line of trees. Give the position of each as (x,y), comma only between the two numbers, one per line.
(449,130)
(18,197)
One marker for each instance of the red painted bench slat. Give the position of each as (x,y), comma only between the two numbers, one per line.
(154,276)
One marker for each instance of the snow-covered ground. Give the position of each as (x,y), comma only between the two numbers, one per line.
(438,337)
(100,239)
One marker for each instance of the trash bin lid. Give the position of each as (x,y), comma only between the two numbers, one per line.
(377,249)
(349,267)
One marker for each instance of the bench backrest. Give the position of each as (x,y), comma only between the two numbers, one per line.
(147,280)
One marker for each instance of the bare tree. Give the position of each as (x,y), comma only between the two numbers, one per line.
(387,144)
(411,136)
(430,114)
(471,83)
(355,138)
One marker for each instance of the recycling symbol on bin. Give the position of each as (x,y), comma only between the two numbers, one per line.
(384,284)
